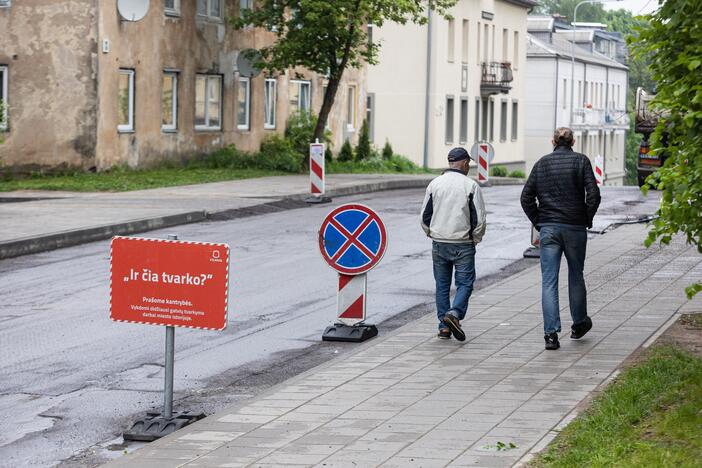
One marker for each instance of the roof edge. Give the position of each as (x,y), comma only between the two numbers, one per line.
(523,3)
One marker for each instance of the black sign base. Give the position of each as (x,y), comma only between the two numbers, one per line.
(317,200)
(354,334)
(155,425)
(532,252)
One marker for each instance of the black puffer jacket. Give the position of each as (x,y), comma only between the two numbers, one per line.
(565,187)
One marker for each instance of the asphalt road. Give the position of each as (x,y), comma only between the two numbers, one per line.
(72,380)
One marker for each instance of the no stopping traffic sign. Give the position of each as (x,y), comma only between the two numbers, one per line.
(352,239)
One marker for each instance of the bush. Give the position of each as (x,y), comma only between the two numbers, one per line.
(279,154)
(300,130)
(225,158)
(498,171)
(376,164)
(387,151)
(346,152)
(364,150)
(517,174)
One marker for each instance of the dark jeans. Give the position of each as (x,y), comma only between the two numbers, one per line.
(557,240)
(448,257)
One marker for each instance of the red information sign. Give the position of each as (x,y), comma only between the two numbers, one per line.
(169,282)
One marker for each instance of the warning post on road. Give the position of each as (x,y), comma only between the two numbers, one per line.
(170,283)
(352,240)
(317,174)
(483,153)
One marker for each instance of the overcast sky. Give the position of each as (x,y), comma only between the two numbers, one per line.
(637,7)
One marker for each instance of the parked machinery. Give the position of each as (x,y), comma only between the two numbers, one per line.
(646,122)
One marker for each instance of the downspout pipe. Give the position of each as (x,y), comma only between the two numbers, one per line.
(427,99)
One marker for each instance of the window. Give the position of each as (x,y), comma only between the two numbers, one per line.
(300,96)
(515,109)
(491,120)
(208,102)
(505,45)
(463,128)
(580,94)
(492,44)
(243,100)
(515,59)
(5,3)
(245,5)
(565,92)
(477,119)
(209,8)
(3,98)
(477,55)
(503,120)
(125,101)
(484,118)
(169,102)
(464,78)
(269,103)
(351,108)
(370,103)
(451,39)
(486,42)
(465,41)
(171,7)
(449,120)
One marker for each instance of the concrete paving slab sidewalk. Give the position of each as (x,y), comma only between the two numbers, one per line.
(409,399)
(52,220)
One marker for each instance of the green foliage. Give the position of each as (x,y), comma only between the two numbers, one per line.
(328,37)
(279,154)
(672,42)
(346,152)
(375,164)
(517,174)
(387,150)
(648,417)
(300,132)
(498,171)
(363,149)
(2,120)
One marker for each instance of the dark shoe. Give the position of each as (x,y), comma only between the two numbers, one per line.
(552,341)
(579,330)
(444,334)
(455,327)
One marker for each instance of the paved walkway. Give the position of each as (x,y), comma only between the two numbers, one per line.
(409,399)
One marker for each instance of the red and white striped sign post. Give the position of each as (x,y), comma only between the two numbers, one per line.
(483,152)
(599,170)
(352,240)
(317,174)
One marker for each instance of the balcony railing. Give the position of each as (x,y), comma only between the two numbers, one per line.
(496,77)
(600,117)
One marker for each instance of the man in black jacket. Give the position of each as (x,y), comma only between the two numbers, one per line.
(560,198)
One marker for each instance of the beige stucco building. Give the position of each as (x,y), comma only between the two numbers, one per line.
(459,83)
(85,88)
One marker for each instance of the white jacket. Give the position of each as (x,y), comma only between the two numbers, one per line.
(453,210)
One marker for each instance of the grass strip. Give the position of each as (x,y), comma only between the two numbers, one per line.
(651,416)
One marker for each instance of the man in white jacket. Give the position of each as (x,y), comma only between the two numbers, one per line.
(453,216)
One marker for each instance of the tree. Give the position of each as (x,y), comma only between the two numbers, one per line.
(363,150)
(328,37)
(672,42)
(589,12)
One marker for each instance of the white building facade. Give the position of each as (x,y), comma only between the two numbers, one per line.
(589,97)
(452,83)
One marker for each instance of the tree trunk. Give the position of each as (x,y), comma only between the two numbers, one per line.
(329,96)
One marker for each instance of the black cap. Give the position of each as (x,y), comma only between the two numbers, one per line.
(458,154)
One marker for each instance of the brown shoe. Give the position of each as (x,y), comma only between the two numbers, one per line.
(444,334)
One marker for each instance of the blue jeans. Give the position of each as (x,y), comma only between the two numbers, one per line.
(557,239)
(448,257)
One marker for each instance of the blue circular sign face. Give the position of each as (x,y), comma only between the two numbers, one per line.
(352,239)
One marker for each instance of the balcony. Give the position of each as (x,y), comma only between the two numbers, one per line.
(496,77)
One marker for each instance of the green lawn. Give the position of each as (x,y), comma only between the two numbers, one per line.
(122,180)
(651,416)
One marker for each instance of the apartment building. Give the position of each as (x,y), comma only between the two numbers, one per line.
(452,82)
(84,87)
(577,78)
